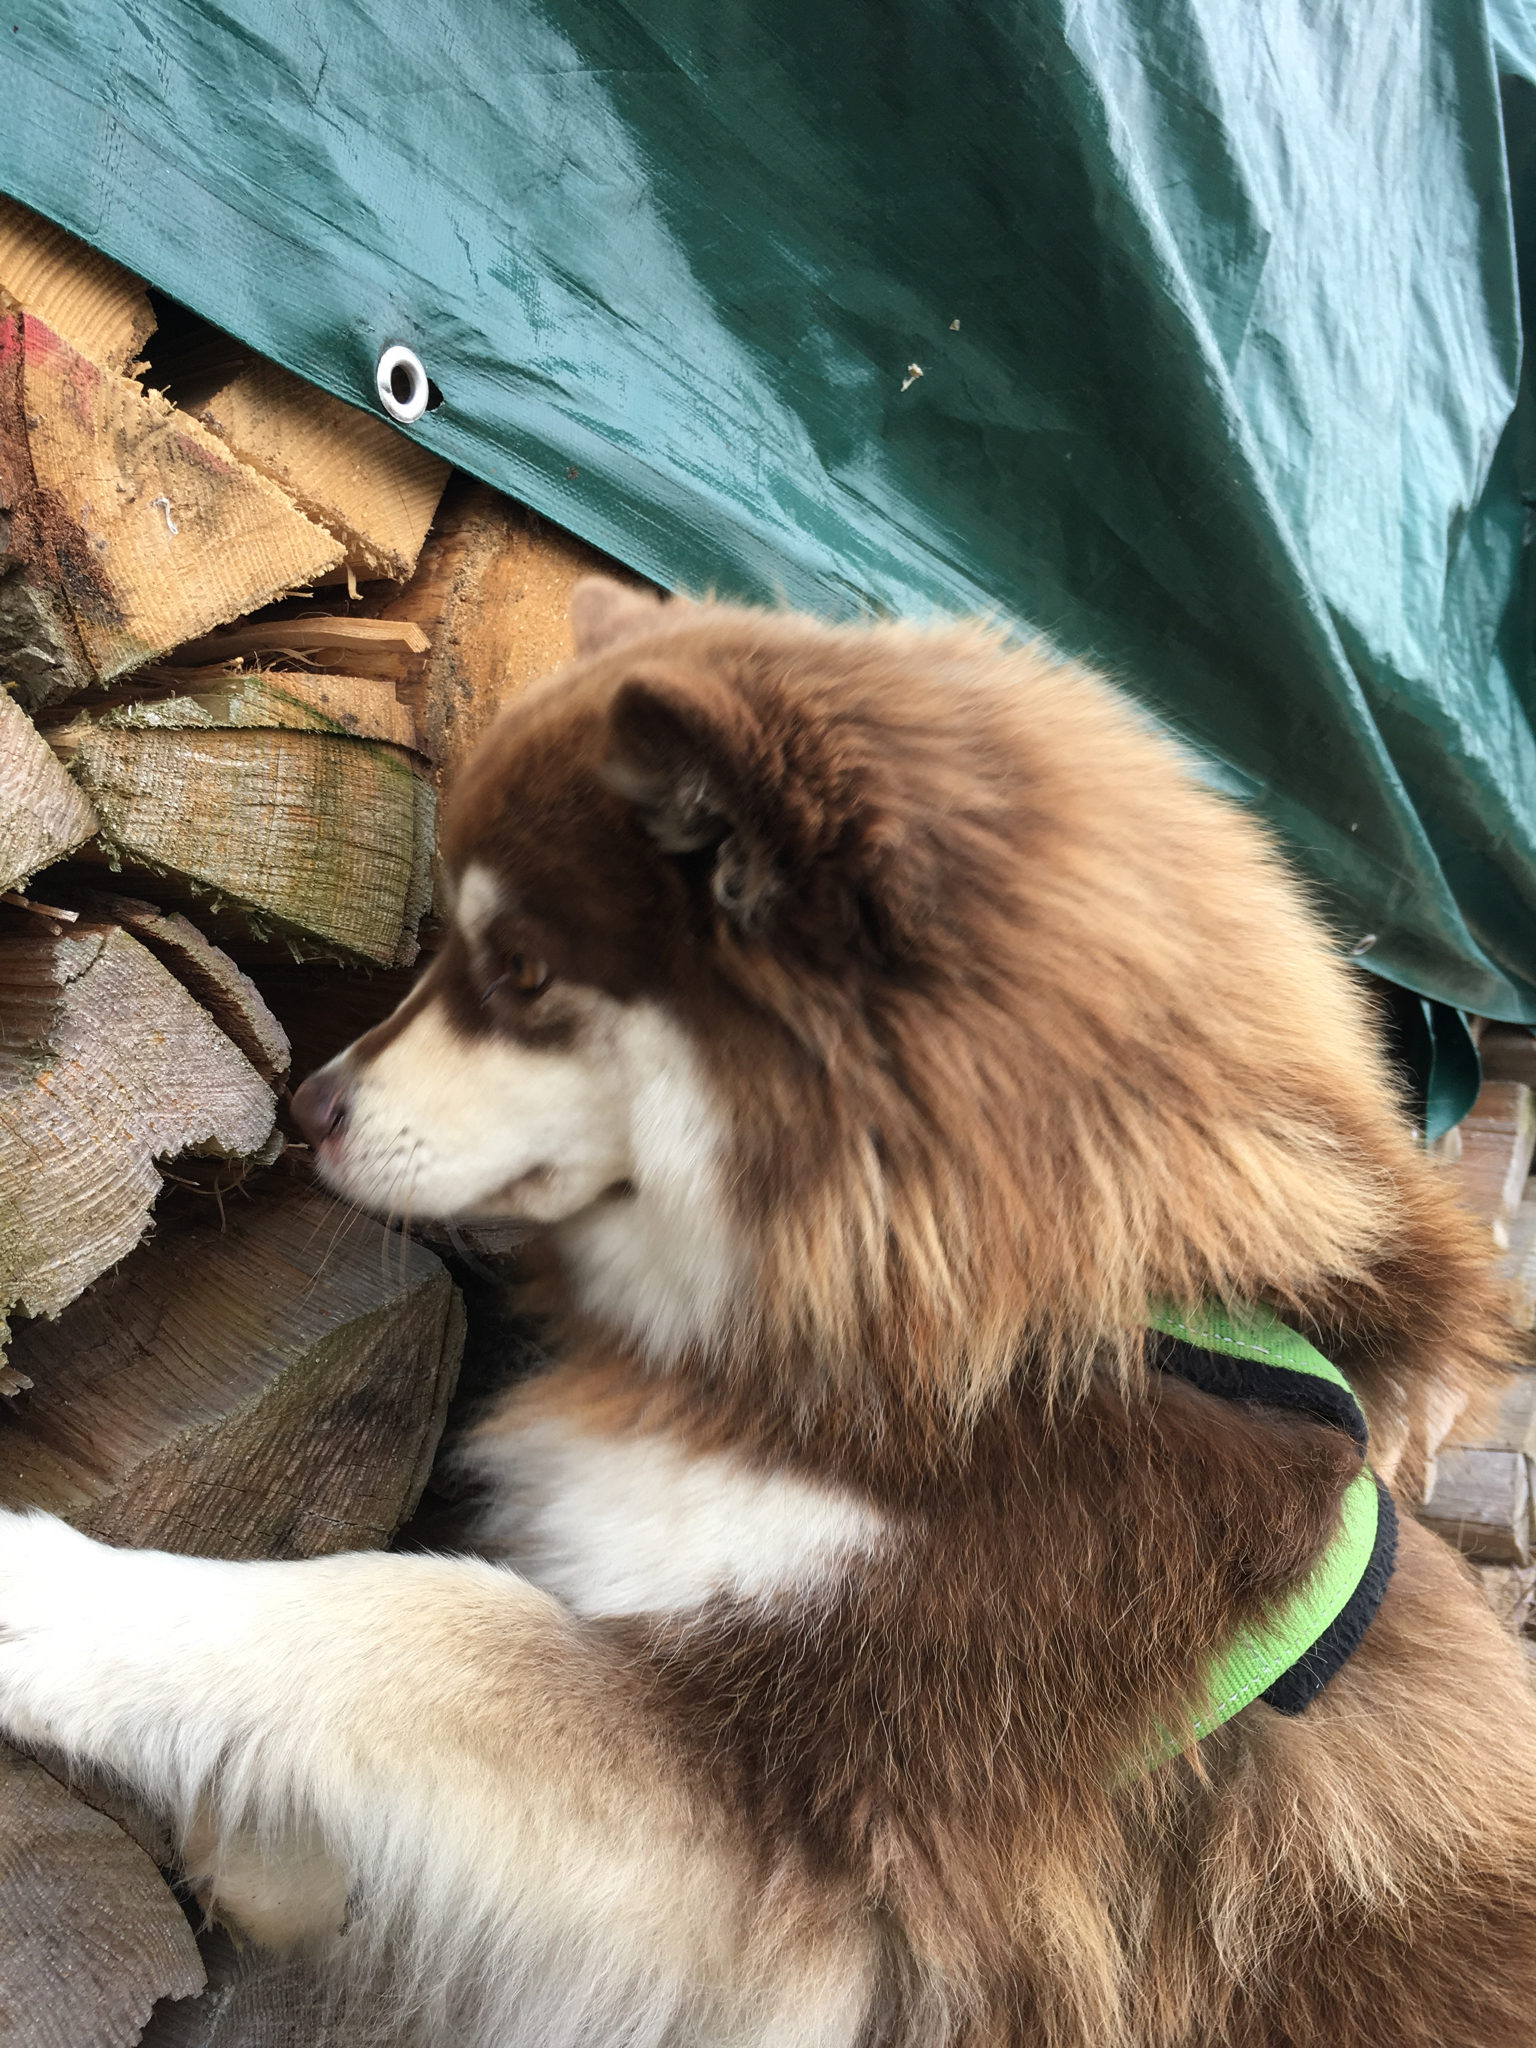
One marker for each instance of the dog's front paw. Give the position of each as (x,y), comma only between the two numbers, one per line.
(282,1889)
(62,1613)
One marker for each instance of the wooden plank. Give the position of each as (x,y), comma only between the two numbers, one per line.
(360,707)
(43,815)
(1498,1136)
(132,526)
(90,1933)
(349,471)
(311,835)
(272,1388)
(100,309)
(231,998)
(492,594)
(106,1066)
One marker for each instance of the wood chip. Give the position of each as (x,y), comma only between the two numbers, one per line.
(369,646)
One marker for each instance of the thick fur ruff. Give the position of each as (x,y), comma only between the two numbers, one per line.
(878,1020)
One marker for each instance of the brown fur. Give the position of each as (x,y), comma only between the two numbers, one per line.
(1020,1030)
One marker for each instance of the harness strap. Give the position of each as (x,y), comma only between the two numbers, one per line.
(1289,1657)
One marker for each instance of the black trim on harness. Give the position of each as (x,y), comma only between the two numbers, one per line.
(1271,1386)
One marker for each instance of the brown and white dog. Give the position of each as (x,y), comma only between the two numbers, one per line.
(879,1020)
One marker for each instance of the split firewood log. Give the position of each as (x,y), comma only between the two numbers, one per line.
(91,1936)
(1479,1491)
(126,527)
(271,1387)
(1518,1263)
(231,998)
(1510,1590)
(43,815)
(182,699)
(350,472)
(253,796)
(107,1065)
(100,309)
(265,1998)
(492,594)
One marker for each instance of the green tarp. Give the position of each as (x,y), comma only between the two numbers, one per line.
(1215,305)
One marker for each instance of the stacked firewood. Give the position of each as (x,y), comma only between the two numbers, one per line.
(1479,1486)
(246,631)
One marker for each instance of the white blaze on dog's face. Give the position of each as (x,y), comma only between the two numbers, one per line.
(544,1101)
(527,1118)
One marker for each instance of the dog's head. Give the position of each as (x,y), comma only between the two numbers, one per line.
(838,991)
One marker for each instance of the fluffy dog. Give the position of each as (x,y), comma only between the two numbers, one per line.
(880,1021)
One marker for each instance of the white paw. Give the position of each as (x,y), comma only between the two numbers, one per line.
(284,1891)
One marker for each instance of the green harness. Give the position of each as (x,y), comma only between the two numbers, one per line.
(1265,1653)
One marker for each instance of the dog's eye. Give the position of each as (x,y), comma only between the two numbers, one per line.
(524,973)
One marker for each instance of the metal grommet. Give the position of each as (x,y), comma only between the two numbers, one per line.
(403,386)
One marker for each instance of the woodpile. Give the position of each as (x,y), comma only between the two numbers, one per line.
(245,635)
(1479,1481)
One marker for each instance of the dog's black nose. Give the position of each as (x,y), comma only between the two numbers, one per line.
(320,1105)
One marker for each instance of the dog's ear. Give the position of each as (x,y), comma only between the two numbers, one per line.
(604,612)
(691,764)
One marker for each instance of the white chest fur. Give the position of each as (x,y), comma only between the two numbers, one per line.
(637,1525)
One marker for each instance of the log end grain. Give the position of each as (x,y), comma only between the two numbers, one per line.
(90,1933)
(43,814)
(106,1066)
(272,1388)
(99,308)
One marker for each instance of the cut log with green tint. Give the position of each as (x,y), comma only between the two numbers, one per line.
(308,834)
